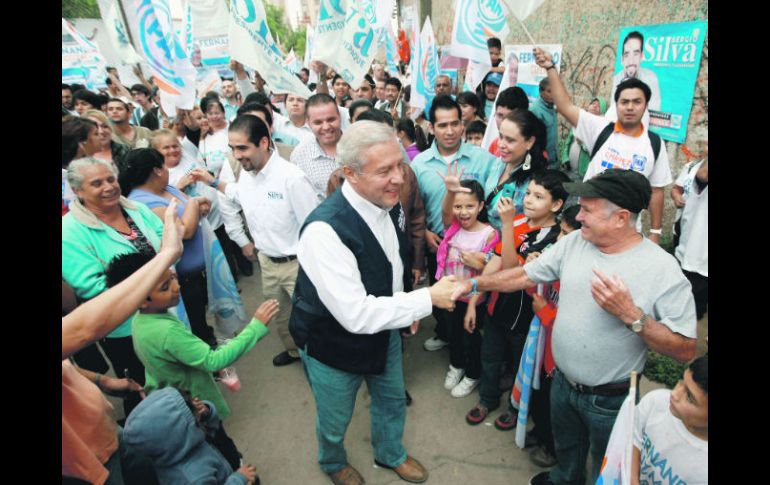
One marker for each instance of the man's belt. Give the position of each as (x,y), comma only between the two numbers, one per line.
(284,259)
(612,389)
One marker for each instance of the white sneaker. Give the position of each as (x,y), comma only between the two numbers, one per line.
(465,387)
(453,377)
(434,343)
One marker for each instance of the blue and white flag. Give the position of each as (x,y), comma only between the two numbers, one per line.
(117,32)
(527,378)
(224,301)
(252,45)
(187,30)
(81,60)
(475,22)
(391,51)
(427,65)
(345,38)
(165,54)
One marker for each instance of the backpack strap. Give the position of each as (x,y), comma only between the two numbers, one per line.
(602,138)
(655,141)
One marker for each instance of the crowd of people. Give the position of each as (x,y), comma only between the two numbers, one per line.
(363,217)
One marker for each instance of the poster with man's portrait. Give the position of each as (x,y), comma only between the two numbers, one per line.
(667,58)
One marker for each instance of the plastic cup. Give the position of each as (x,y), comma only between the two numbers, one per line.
(230,379)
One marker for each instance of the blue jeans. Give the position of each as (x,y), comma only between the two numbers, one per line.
(579,421)
(335,397)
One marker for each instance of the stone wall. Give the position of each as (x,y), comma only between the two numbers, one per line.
(588,31)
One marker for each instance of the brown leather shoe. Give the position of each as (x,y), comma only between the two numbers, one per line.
(347,476)
(411,470)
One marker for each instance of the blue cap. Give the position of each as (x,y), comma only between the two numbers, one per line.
(494,78)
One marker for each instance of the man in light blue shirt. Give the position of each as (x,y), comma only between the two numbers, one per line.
(447,148)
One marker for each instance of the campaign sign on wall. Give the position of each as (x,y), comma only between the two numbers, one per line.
(667,58)
(523,71)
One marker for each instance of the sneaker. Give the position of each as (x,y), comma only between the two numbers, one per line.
(476,415)
(453,377)
(465,387)
(434,343)
(506,421)
(541,478)
(541,457)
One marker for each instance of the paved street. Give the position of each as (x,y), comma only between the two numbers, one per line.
(273,420)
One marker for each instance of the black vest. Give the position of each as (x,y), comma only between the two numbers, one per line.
(313,325)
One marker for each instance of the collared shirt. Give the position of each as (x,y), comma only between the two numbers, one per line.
(231,110)
(333,270)
(311,159)
(285,131)
(476,162)
(276,200)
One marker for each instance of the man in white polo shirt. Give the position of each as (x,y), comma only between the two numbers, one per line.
(276,197)
(625,144)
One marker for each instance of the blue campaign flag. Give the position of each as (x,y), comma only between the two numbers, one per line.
(527,378)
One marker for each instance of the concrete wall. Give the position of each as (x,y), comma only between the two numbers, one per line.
(588,31)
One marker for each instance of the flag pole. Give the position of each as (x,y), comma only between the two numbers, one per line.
(531,40)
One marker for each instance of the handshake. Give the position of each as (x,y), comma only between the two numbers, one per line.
(447,290)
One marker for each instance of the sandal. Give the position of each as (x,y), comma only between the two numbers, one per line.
(506,421)
(476,415)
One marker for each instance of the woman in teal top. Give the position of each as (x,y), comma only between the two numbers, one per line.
(521,145)
(99,226)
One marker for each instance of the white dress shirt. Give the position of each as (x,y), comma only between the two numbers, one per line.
(276,200)
(333,270)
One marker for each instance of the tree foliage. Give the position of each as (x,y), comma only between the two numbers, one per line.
(80,9)
(283,34)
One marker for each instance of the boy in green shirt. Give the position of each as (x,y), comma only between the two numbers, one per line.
(173,356)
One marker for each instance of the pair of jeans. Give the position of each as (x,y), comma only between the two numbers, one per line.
(497,344)
(700,291)
(581,423)
(120,352)
(464,347)
(335,396)
(195,294)
(442,325)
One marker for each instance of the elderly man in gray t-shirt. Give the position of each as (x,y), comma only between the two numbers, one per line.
(620,295)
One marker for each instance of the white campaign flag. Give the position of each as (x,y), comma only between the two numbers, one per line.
(117,32)
(521,9)
(165,54)
(344,38)
(211,17)
(427,65)
(475,21)
(252,45)
(81,60)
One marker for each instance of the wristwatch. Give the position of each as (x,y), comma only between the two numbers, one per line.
(638,325)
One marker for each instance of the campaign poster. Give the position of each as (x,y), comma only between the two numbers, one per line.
(215,51)
(667,58)
(524,72)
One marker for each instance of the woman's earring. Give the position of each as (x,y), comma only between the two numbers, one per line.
(527,162)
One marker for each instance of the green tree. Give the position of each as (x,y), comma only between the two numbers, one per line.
(283,34)
(80,9)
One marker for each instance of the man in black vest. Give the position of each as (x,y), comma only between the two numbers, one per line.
(349,303)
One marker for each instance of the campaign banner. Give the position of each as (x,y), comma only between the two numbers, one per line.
(423,80)
(215,51)
(81,60)
(117,32)
(186,35)
(165,54)
(211,17)
(476,21)
(345,38)
(391,52)
(667,58)
(252,45)
(523,71)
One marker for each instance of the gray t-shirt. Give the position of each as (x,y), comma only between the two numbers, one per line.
(591,346)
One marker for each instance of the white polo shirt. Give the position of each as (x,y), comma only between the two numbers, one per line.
(276,200)
(628,152)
